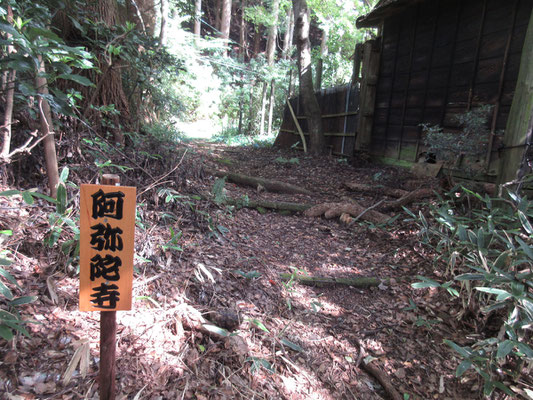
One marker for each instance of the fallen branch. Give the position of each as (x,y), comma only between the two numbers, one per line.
(332,210)
(375,189)
(321,281)
(270,185)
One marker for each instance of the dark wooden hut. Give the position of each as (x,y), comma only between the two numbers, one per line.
(432,61)
(438,59)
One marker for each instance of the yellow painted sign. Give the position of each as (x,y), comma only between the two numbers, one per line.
(107,227)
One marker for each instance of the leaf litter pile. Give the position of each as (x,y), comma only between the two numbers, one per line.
(213,317)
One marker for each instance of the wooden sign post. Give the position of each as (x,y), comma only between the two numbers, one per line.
(107,225)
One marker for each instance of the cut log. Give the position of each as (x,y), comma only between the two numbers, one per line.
(269,185)
(332,210)
(321,281)
(375,189)
(410,197)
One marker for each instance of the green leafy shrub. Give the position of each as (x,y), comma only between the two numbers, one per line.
(486,245)
(10,319)
(63,226)
(32,39)
(64,222)
(470,141)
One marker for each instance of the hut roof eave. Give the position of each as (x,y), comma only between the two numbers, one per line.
(383,9)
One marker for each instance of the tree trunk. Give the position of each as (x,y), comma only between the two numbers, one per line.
(320,64)
(197,17)
(218,15)
(10,77)
(225,21)
(109,88)
(251,109)
(312,109)
(47,129)
(257,41)
(271,106)
(289,90)
(291,34)
(287,39)
(272,33)
(242,33)
(163,30)
(263,109)
(241,102)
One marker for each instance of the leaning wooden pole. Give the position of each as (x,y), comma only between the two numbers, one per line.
(300,132)
(108,334)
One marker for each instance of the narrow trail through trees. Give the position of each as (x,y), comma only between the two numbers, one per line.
(220,312)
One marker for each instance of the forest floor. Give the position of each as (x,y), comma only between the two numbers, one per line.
(291,342)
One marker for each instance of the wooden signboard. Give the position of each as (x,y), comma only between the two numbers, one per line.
(107,225)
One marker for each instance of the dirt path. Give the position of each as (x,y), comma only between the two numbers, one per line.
(293,341)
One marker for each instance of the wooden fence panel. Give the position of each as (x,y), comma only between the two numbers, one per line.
(339,107)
